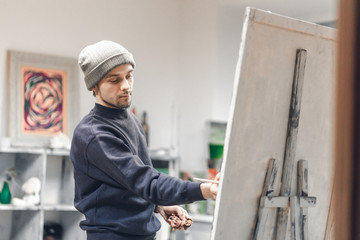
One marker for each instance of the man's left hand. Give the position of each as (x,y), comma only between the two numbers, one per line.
(167,211)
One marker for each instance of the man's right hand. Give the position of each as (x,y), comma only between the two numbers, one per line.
(209,190)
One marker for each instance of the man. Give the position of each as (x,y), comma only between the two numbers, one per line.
(116,187)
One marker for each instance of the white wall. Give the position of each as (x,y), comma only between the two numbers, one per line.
(196,84)
(185,50)
(149,29)
(210,40)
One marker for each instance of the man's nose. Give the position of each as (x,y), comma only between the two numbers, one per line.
(125,85)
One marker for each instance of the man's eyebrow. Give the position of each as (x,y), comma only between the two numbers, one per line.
(112,75)
(116,75)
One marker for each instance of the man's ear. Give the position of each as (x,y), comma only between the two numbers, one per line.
(95,90)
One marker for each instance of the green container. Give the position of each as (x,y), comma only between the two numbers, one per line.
(5,196)
(163,170)
(216,150)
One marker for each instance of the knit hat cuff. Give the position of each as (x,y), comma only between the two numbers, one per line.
(104,67)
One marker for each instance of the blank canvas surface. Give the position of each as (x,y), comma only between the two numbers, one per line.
(258,121)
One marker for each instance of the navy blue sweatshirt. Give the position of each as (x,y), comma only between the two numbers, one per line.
(116,187)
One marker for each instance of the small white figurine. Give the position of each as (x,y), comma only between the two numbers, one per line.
(32,193)
(60,141)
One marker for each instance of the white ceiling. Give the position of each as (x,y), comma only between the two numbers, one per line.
(308,10)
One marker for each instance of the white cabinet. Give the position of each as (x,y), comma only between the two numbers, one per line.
(55,171)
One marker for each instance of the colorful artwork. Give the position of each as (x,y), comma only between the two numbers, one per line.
(44,96)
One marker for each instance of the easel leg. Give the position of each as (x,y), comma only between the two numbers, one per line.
(260,224)
(290,145)
(282,223)
(295,218)
(303,192)
(268,190)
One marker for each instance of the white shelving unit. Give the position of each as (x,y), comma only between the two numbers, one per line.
(54,169)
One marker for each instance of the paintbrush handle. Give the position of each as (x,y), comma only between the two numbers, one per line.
(205,180)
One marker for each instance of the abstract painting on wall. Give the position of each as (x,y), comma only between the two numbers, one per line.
(44,101)
(41,90)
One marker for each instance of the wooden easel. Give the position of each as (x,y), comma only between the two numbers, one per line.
(297,204)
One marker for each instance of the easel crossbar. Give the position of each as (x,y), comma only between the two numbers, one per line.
(284,202)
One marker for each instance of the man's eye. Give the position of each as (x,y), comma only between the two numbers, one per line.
(114,80)
(129,77)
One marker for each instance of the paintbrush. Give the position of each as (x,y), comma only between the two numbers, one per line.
(205,180)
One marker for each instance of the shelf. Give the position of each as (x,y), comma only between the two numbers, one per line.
(54,170)
(22,150)
(59,186)
(57,152)
(63,207)
(21,225)
(48,151)
(69,220)
(202,218)
(19,208)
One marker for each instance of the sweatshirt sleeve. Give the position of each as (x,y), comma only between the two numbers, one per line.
(112,161)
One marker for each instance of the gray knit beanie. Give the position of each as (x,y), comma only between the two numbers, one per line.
(98,59)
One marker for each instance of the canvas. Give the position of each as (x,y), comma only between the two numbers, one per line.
(257,127)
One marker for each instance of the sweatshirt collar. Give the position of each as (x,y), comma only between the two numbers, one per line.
(111,112)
